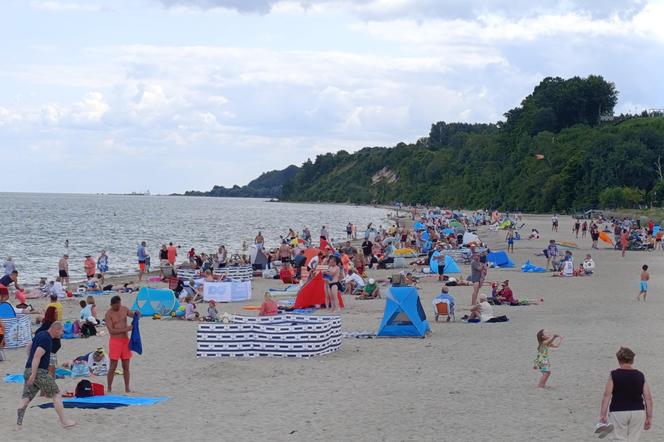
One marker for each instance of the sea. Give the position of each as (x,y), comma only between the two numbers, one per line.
(35,227)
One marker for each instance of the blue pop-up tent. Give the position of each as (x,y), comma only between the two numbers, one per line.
(404,315)
(500,259)
(450,264)
(151,301)
(6,310)
(419,226)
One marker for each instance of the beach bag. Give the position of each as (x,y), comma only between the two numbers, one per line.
(76,328)
(97,389)
(84,389)
(80,369)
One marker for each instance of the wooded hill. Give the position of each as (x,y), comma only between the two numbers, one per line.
(560,149)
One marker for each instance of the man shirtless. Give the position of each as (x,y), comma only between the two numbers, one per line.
(118,345)
(63,270)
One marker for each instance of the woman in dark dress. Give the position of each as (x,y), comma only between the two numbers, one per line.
(627,404)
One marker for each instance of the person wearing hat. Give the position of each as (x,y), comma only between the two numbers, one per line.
(370,291)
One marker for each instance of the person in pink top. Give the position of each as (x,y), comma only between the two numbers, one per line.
(268,307)
(90,265)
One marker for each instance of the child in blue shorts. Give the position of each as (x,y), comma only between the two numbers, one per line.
(645,277)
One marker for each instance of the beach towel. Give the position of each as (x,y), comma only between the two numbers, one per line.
(135,343)
(108,402)
(99,292)
(531,268)
(18,377)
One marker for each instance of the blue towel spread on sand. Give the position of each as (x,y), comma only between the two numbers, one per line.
(107,402)
(135,343)
(18,378)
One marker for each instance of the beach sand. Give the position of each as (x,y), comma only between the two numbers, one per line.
(465,382)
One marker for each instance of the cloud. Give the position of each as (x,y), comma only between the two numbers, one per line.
(449,9)
(60,6)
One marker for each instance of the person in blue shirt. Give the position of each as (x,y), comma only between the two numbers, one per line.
(142,258)
(37,378)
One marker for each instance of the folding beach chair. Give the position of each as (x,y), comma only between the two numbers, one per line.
(443,309)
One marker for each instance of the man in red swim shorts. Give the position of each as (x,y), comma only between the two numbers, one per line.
(118,345)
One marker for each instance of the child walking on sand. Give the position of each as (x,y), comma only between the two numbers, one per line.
(545,340)
(510,240)
(645,277)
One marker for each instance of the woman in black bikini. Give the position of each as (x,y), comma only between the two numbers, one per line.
(334,286)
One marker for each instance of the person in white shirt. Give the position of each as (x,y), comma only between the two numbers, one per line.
(481,311)
(57,289)
(353,281)
(588,265)
(98,362)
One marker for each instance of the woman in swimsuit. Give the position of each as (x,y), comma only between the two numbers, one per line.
(334,286)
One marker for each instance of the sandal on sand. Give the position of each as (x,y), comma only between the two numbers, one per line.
(603,430)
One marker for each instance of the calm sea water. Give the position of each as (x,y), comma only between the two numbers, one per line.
(35,226)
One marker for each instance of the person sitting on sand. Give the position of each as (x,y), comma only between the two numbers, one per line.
(57,289)
(269,307)
(287,274)
(353,282)
(370,290)
(88,321)
(505,294)
(97,362)
(190,313)
(482,311)
(534,234)
(58,307)
(212,313)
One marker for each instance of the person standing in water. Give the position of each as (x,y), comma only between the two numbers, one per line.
(63,270)
(141,253)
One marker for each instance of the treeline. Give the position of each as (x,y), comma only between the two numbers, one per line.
(554,152)
(268,185)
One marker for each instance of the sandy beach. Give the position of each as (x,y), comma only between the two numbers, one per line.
(465,382)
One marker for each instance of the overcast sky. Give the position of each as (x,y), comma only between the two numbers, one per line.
(172,95)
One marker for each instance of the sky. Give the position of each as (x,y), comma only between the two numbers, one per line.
(174,95)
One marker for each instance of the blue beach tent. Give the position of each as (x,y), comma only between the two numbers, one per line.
(419,226)
(500,259)
(404,315)
(6,311)
(154,301)
(450,264)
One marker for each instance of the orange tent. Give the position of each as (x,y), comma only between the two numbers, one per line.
(604,236)
(310,253)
